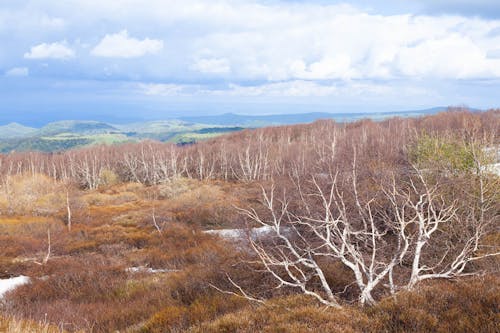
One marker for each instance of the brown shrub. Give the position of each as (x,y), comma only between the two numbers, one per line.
(89,278)
(289,314)
(170,319)
(83,293)
(176,187)
(31,194)
(179,245)
(175,318)
(469,305)
(13,325)
(208,205)
(104,199)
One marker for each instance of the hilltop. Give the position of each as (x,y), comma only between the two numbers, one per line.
(15,130)
(76,127)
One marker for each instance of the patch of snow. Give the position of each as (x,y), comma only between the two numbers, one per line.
(493,168)
(262,231)
(495,151)
(255,233)
(142,269)
(7,285)
(227,233)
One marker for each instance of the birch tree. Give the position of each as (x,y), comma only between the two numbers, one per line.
(374,236)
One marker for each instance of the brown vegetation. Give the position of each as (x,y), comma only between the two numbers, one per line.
(466,306)
(128,249)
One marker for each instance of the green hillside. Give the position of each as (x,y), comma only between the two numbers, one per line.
(76,127)
(15,130)
(65,135)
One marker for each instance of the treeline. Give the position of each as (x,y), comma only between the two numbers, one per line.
(256,155)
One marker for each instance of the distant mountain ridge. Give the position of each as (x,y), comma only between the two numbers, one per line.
(299,118)
(38,120)
(68,134)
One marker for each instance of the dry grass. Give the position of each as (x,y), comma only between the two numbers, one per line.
(471,305)
(11,325)
(33,194)
(85,284)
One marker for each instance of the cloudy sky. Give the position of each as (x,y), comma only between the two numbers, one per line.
(159,58)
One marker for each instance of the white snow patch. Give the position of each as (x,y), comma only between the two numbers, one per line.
(142,269)
(493,168)
(242,233)
(227,233)
(7,285)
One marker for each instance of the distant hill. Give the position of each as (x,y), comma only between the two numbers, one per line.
(69,134)
(76,127)
(159,126)
(15,130)
(63,135)
(231,119)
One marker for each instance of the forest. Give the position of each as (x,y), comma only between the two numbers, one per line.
(367,226)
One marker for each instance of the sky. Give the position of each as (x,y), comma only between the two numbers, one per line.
(153,59)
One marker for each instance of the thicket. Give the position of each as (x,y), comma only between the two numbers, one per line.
(264,154)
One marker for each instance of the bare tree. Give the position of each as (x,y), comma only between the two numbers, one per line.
(68,210)
(49,251)
(374,235)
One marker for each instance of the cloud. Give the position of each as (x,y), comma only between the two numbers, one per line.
(17,72)
(296,88)
(120,45)
(52,22)
(452,57)
(289,89)
(277,41)
(359,46)
(57,50)
(267,48)
(212,66)
(160,89)
(337,66)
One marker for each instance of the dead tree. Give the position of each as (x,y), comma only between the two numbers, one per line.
(372,236)
(68,210)
(49,251)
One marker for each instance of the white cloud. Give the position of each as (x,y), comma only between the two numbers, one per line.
(58,50)
(292,89)
(212,66)
(296,88)
(160,89)
(357,45)
(453,57)
(52,22)
(267,48)
(338,66)
(120,45)
(18,72)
